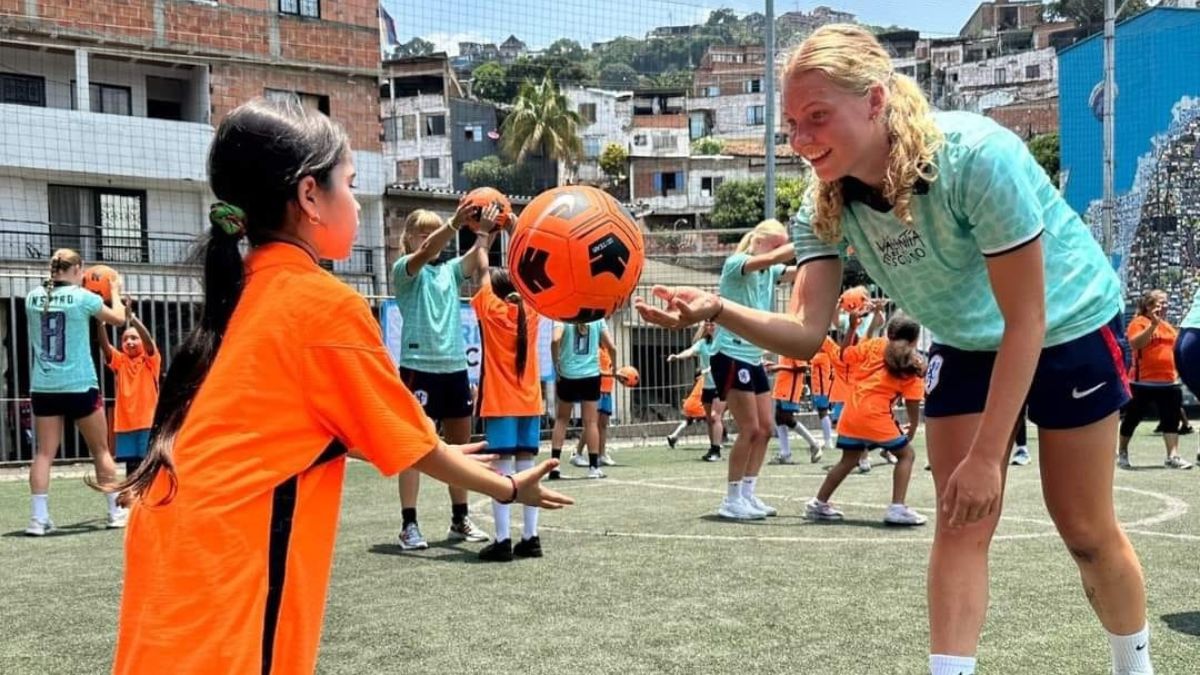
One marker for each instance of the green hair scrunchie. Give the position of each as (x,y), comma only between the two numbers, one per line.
(231,219)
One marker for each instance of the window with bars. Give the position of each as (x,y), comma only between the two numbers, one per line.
(103,224)
(23,89)
(106,98)
(306,8)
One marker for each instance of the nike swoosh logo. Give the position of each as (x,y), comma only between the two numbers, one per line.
(1075,393)
(1141,647)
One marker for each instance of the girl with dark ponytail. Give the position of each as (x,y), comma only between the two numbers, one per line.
(881,371)
(510,400)
(284,375)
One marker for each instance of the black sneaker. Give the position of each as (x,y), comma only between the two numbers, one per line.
(1186,429)
(497,551)
(528,548)
(671,441)
(712,456)
(554,474)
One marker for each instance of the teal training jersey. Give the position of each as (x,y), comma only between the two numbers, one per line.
(1192,319)
(754,289)
(704,351)
(60,337)
(432,333)
(579,351)
(989,198)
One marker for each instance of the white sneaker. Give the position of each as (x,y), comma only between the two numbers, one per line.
(815,452)
(595,473)
(467,531)
(39,528)
(1123,460)
(815,510)
(1177,462)
(899,514)
(760,505)
(864,465)
(888,457)
(117,519)
(738,509)
(411,539)
(579,459)
(782,459)
(606,460)
(1021,457)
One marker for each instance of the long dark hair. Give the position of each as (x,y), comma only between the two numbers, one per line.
(261,152)
(503,287)
(900,357)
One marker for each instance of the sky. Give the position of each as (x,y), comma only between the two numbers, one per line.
(540,22)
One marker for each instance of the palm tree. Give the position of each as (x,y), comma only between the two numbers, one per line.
(542,123)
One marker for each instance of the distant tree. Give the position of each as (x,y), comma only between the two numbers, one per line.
(567,48)
(1090,13)
(742,203)
(541,123)
(490,82)
(491,171)
(614,160)
(1045,150)
(414,47)
(707,145)
(617,76)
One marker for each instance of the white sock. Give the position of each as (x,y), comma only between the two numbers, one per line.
(1131,653)
(734,490)
(112,503)
(678,430)
(785,444)
(940,664)
(805,434)
(530,513)
(827,431)
(501,512)
(41,507)
(748,486)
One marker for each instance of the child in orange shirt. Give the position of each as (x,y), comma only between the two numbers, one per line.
(789,389)
(884,369)
(230,540)
(510,400)
(137,366)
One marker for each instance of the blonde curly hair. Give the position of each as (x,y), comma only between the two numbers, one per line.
(854,60)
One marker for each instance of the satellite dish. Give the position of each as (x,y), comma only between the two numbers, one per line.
(1096,99)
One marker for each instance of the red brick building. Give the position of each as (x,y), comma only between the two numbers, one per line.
(126,93)
(1028,118)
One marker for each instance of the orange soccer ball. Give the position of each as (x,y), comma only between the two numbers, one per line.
(481,198)
(99,280)
(628,376)
(853,299)
(576,254)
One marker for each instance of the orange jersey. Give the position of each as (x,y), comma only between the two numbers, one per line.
(868,412)
(693,406)
(503,393)
(606,372)
(137,389)
(821,375)
(231,575)
(839,390)
(1156,361)
(789,380)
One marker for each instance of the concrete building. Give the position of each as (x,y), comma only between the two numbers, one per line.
(109,109)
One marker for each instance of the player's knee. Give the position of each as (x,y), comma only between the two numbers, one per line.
(1085,541)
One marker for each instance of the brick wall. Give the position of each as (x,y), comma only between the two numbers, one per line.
(1028,119)
(353,103)
(346,36)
